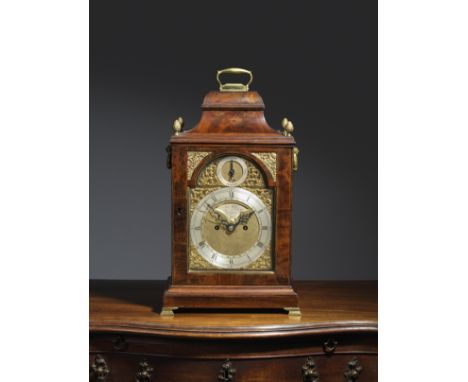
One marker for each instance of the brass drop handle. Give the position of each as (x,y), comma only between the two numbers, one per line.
(295,158)
(227,372)
(234,87)
(145,371)
(309,371)
(353,370)
(98,371)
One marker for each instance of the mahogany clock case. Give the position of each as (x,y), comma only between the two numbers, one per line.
(232,123)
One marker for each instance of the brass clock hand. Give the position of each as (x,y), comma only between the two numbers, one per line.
(220,216)
(211,221)
(228,222)
(214,213)
(243,218)
(231,170)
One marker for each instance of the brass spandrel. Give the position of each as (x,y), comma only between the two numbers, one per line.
(208,176)
(269,160)
(264,262)
(265,195)
(193,160)
(197,262)
(254,177)
(197,194)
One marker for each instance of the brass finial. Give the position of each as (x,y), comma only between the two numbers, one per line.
(178,126)
(288,127)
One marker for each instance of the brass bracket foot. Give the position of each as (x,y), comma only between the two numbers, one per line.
(293,311)
(168,311)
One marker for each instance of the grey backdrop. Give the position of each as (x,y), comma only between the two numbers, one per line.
(313,61)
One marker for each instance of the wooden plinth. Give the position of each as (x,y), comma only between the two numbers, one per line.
(230,297)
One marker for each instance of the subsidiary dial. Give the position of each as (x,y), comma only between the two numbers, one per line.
(231,171)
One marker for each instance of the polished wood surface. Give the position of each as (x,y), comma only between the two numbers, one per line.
(327,307)
(337,335)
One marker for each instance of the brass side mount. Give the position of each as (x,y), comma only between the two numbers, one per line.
(295,158)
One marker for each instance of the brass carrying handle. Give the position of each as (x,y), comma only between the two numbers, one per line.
(235,87)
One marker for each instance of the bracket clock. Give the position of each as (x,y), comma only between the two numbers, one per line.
(231,206)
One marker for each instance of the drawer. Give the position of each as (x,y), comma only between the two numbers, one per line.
(312,345)
(145,368)
(121,357)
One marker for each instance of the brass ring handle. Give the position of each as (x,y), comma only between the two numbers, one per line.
(235,87)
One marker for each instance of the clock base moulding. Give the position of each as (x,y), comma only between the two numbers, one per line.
(230,297)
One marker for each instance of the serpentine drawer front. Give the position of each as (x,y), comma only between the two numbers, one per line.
(335,339)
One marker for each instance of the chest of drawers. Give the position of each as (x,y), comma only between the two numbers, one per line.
(335,339)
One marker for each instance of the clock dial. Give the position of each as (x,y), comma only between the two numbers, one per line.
(232,171)
(230,228)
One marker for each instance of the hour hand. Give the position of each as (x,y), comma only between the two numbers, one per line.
(231,170)
(244,216)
